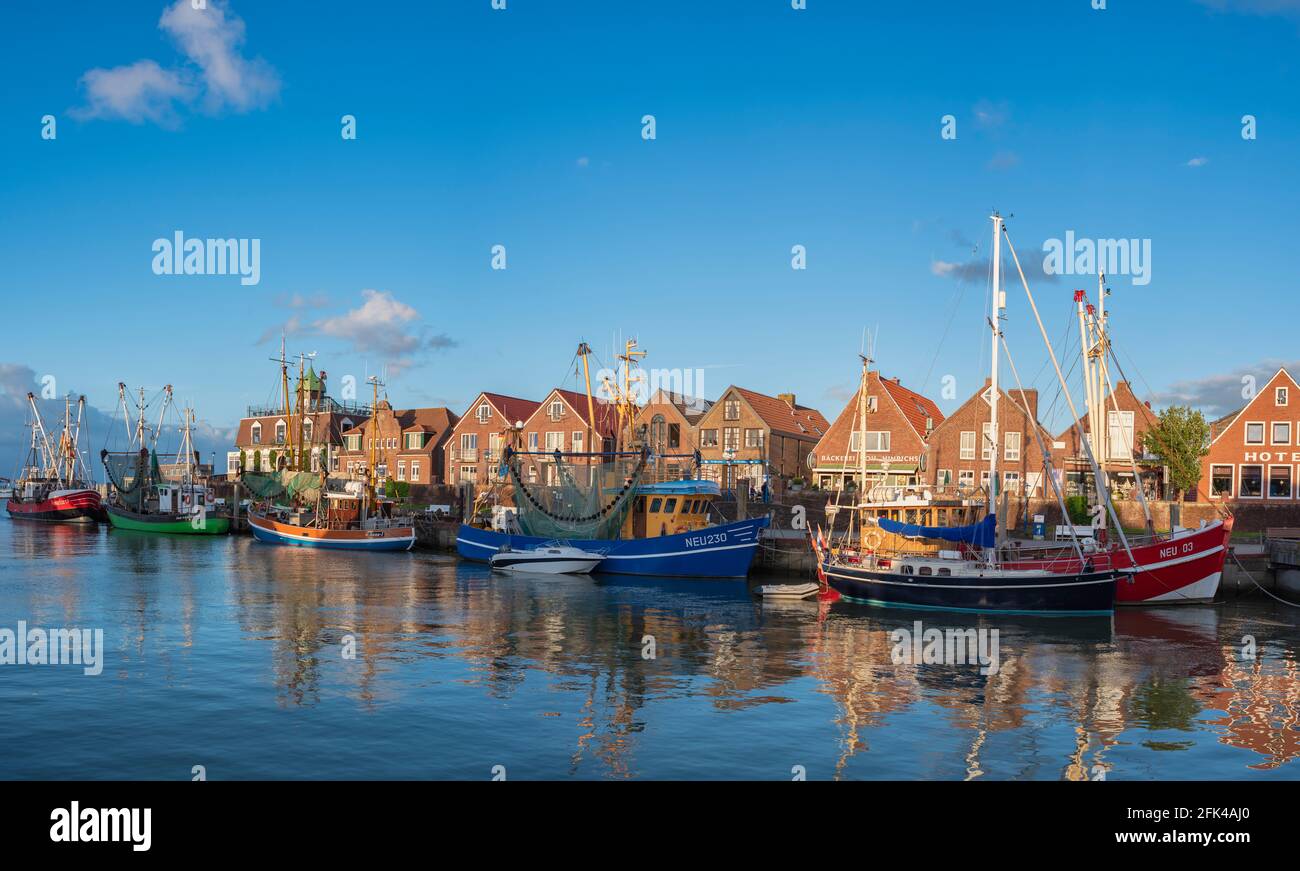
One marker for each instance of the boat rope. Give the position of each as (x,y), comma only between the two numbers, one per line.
(1268,593)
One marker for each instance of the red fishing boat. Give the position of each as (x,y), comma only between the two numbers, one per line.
(54,484)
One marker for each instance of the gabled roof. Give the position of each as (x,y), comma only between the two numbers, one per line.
(436,420)
(1012,397)
(606,423)
(511,408)
(690,407)
(781,416)
(915,407)
(1223,424)
(1126,399)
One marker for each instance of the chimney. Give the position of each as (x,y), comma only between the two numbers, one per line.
(787,398)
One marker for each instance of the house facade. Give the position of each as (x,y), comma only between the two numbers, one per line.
(408,444)
(669,424)
(751,435)
(264,434)
(473,452)
(1254,453)
(560,422)
(1116,451)
(898,422)
(959,448)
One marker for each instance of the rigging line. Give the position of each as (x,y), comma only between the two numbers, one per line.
(1257,584)
(954,306)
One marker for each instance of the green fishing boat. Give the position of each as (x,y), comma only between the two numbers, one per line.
(144,498)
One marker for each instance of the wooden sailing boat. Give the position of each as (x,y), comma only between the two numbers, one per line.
(351,516)
(144,499)
(54,484)
(970,576)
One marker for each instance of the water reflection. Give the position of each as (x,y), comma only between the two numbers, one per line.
(730,686)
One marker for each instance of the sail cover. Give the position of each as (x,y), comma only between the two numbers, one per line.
(982,534)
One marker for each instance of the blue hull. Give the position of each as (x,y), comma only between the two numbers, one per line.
(723,551)
(367,546)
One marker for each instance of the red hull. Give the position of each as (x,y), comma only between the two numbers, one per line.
(65,506)
(1171,570)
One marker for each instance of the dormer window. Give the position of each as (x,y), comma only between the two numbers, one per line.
(281,429)
(257,433)
(306,429)
(556,410)
(484,413)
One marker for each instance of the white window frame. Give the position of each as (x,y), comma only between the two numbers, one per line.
(1010,453)
(483,413)
(1281,396)
(1272,432)
(1232,480)
(1263,431)
(415,471)
(987,440)
(556,409)
(943,477)
(401,470)
(1268,481)
(576,440)
(966,477)
(965,452)
(1263,480)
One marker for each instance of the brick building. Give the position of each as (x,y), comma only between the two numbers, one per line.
(958,449)
(1255,451)
(669,423)
(264,433)
(560,423)
(751,435)
(1121,444)
(898,422)
(473,452)
(409,445)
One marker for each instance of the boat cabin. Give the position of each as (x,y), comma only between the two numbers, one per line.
(670,508)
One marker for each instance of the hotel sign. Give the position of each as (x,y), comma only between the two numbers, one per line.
(1271,457)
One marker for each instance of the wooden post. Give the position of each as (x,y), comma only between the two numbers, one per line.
(742,500)
(1175,515)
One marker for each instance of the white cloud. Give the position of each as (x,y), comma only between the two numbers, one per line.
(138,92)
(211,38)
(584,161)
(1198,161)
(383,326)
(217,75)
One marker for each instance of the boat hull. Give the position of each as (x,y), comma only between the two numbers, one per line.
(62,506)
(724,551)
(170,524)
(532,565)
(1181,569)
(1030,593)
(273,532)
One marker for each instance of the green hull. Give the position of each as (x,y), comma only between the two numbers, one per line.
(168,524)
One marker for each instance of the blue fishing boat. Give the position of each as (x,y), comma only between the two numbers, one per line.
(702,550)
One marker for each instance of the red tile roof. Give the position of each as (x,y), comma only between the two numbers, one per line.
(798,420)
(915,407)
(514,408)
(606,413)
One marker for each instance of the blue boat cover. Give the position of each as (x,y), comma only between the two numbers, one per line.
(982,534)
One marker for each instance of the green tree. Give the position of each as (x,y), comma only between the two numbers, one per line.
(243,460)
(1179,440)
(403,490)
(257,461)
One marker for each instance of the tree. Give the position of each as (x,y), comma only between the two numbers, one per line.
(257,461)
(1179,440)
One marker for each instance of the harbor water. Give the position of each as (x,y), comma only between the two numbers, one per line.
(230,659)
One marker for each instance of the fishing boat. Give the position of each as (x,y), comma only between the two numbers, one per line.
(959,567)
(608,501)
(299,507)
(143,498)
(1183,566)
(54,484)
(553,558)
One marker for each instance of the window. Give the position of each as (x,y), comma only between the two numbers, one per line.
(1279,482)
(483,413)
(577,441)
(469,441)
(557,410)
(871,404)
(925,570)
(731,438)
(966,477)
(257,433)
(654,505)
(945,573)
(731,409)
(532,441)
(554,441)
(280,431)
(987,443)
(1011,481)
(1254,433)
(1281,396)
(1119,435)
(1012,451)
(968,445)
(1281,433)
(415,471)
(1221,481)
(944,477)
(468,473)
(670,506)
(334,463)
(876,441)
(354,442)
(674,435)
(401,470)
(753,438)
(306,429)
(415,440)
(708,438)
(1252,482)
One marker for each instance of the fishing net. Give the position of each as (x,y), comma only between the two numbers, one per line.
(584,497)
(133,475)
(303,486)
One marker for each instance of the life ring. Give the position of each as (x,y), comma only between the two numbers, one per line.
(873,539)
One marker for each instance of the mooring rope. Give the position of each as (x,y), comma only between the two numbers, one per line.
(1261,588)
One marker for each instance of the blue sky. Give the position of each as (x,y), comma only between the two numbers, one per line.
(522,127)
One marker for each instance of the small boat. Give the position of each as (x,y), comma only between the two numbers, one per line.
(54,484)
(555,558)
(788,592)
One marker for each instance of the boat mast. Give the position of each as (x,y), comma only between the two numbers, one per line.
(584,350)
(996,305)
(1101,375)
(284,387)
(47,468)
(371,460)
(862,451)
